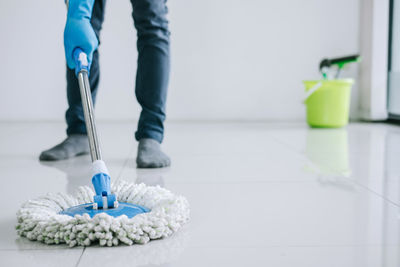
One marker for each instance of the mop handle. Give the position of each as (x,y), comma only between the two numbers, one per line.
(82,69)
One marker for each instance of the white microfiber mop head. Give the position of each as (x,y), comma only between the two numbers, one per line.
(40,220)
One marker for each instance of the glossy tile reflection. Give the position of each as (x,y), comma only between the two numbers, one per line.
(260,194)
(328,151)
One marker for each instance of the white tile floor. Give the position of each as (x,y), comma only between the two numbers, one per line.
(261,194)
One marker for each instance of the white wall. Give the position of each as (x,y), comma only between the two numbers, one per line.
(231,59)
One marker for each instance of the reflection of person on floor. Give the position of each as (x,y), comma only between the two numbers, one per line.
(82,29)
(151,177)
(77,171)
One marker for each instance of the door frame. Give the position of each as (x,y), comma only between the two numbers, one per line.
(374,50)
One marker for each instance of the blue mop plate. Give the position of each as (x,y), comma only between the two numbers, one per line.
(128,209)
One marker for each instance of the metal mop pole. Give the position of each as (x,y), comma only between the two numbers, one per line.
(87,104)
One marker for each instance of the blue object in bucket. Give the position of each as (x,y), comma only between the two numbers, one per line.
(128,209)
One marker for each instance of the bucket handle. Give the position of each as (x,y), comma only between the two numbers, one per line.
(312,91)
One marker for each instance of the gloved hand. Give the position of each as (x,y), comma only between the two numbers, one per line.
(78,31)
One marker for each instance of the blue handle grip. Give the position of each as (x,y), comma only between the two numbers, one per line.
(81,61)
(101,184)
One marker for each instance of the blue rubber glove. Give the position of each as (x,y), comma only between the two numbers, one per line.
(78,31)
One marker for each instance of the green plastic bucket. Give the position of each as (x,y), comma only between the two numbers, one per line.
(328,102)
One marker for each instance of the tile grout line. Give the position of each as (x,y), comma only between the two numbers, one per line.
(225,246)
(286,145)
(347,178)
(80,257)
(373,192)
(125,163)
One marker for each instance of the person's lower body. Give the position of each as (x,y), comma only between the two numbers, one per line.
(151,79)
(151,87)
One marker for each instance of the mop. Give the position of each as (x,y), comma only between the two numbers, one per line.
(110,214)
(340,63)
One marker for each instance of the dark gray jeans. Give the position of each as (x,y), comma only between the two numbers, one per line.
(152,69)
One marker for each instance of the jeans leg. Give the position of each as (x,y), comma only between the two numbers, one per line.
(153,66)
(74,115)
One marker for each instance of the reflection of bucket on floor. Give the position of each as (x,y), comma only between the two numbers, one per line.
(328,151)
(328,102)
